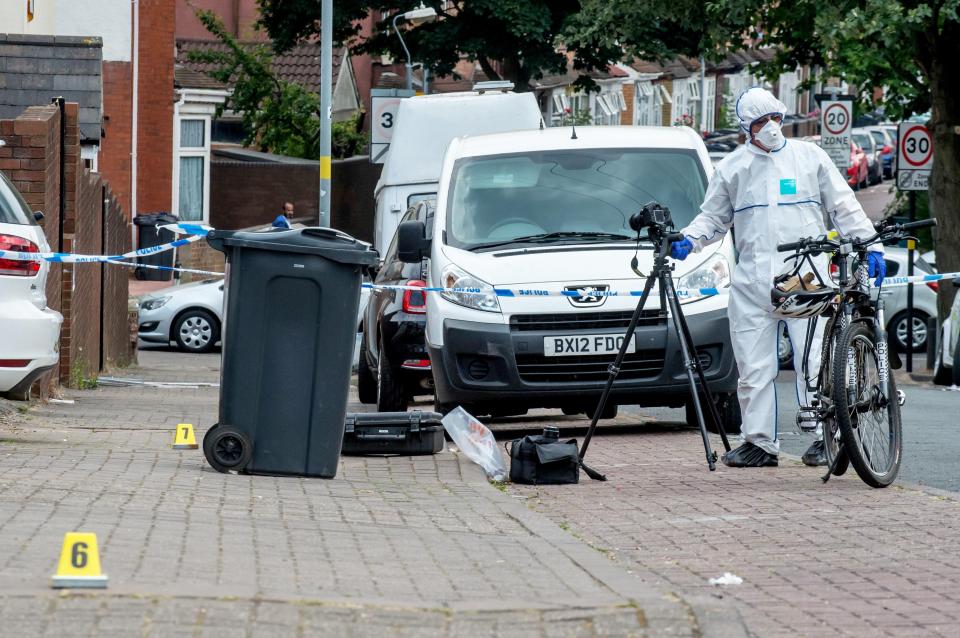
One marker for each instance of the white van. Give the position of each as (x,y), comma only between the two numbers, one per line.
(548,210)
(425,126)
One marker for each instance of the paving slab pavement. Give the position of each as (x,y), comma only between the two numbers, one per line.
(392,546)
(816,559)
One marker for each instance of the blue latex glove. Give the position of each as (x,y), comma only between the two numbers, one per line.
(680,249)
(878,267)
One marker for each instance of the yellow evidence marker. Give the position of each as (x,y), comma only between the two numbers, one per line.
(79,562)
(184,438)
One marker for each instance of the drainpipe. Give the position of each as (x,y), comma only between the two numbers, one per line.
(133,121)
(703,95)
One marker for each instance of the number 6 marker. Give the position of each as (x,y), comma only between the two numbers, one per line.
(79,564)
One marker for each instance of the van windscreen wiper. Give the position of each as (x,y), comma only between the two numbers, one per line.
(551,237)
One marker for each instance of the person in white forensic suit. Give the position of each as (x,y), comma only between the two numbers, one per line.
(770,191)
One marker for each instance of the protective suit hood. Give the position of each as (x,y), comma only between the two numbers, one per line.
(754,103)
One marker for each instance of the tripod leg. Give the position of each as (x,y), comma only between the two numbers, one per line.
(690,363)
(614,371)
(714,413)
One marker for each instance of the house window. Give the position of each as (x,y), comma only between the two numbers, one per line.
(191,189)
(787,89)
(607,106)
(192,169)
(648,104)
(564,107)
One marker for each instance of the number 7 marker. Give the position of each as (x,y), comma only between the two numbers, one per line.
(183,438)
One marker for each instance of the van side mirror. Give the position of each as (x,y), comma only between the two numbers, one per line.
(38,215)
(956,282)
(412,242)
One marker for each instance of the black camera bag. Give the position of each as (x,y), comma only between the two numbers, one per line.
(541,460)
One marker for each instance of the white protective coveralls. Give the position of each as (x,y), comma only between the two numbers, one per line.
(771,198)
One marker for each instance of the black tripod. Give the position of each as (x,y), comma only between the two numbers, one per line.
(662,274)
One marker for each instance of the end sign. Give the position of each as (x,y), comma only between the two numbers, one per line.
(836,120)
(914,157)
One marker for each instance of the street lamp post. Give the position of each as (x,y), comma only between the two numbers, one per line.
(420,15)
(326,107)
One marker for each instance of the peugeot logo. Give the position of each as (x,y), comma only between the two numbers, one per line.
(590,295)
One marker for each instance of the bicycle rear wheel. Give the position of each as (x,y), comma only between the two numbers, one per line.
(831,430)
(870,426)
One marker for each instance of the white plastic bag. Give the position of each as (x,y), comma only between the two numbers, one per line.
(477,442)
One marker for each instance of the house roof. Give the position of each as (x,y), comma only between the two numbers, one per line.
(554,80)
(684,67)
(34,69)
(300,65)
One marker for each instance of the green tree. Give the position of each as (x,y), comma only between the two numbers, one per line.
(908,47)
(278,116)
(516,40)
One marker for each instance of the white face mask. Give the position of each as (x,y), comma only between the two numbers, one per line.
(770,135)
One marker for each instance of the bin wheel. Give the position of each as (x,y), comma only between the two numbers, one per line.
(227,448)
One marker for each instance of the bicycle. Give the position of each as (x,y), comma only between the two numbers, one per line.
(855,398)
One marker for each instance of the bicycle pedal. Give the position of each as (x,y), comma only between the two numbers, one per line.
(901,398)
(807,422)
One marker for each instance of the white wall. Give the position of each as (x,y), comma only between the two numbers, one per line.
(13,16)
(107,19)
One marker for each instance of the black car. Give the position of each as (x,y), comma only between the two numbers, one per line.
(394,366)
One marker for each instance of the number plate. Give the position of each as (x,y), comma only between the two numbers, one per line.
(577,345)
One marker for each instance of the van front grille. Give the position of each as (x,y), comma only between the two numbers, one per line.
(570,321)
(537,368)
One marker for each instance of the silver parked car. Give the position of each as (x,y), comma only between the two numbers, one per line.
(189,315)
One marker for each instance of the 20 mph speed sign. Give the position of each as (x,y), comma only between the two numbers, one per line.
(836,122)
(914,157)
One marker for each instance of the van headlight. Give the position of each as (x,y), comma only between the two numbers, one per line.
(470,291)
(154,303)
(713,273)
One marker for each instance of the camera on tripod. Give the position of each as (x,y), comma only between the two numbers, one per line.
(654,217)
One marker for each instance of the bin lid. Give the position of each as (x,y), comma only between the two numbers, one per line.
(152,219)
(329,243)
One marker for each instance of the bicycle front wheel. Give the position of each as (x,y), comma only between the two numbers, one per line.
(867,413)
(828,421)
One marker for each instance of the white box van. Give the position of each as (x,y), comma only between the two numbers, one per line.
(547,210)
(425,126)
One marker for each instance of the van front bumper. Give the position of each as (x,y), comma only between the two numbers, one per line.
(482,363)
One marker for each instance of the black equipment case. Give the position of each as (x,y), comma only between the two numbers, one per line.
(405,433)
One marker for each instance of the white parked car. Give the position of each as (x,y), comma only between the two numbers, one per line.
(189,315)
(895,300)
(29,330)
(549,210)
(946,366)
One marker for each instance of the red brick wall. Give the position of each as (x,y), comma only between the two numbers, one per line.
(114,161)
(94,333)
(155,123)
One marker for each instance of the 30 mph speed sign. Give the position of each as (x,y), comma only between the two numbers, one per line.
(835,124)
(914,157)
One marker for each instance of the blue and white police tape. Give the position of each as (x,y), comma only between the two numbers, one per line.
(687,293)
(194,271)
(196,232)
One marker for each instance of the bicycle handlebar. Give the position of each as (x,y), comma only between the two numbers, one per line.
(923,223)
(793,245)
(883,233)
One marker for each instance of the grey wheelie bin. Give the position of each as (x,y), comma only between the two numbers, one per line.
(290,308)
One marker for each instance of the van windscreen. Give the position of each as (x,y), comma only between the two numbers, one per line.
(570,195)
